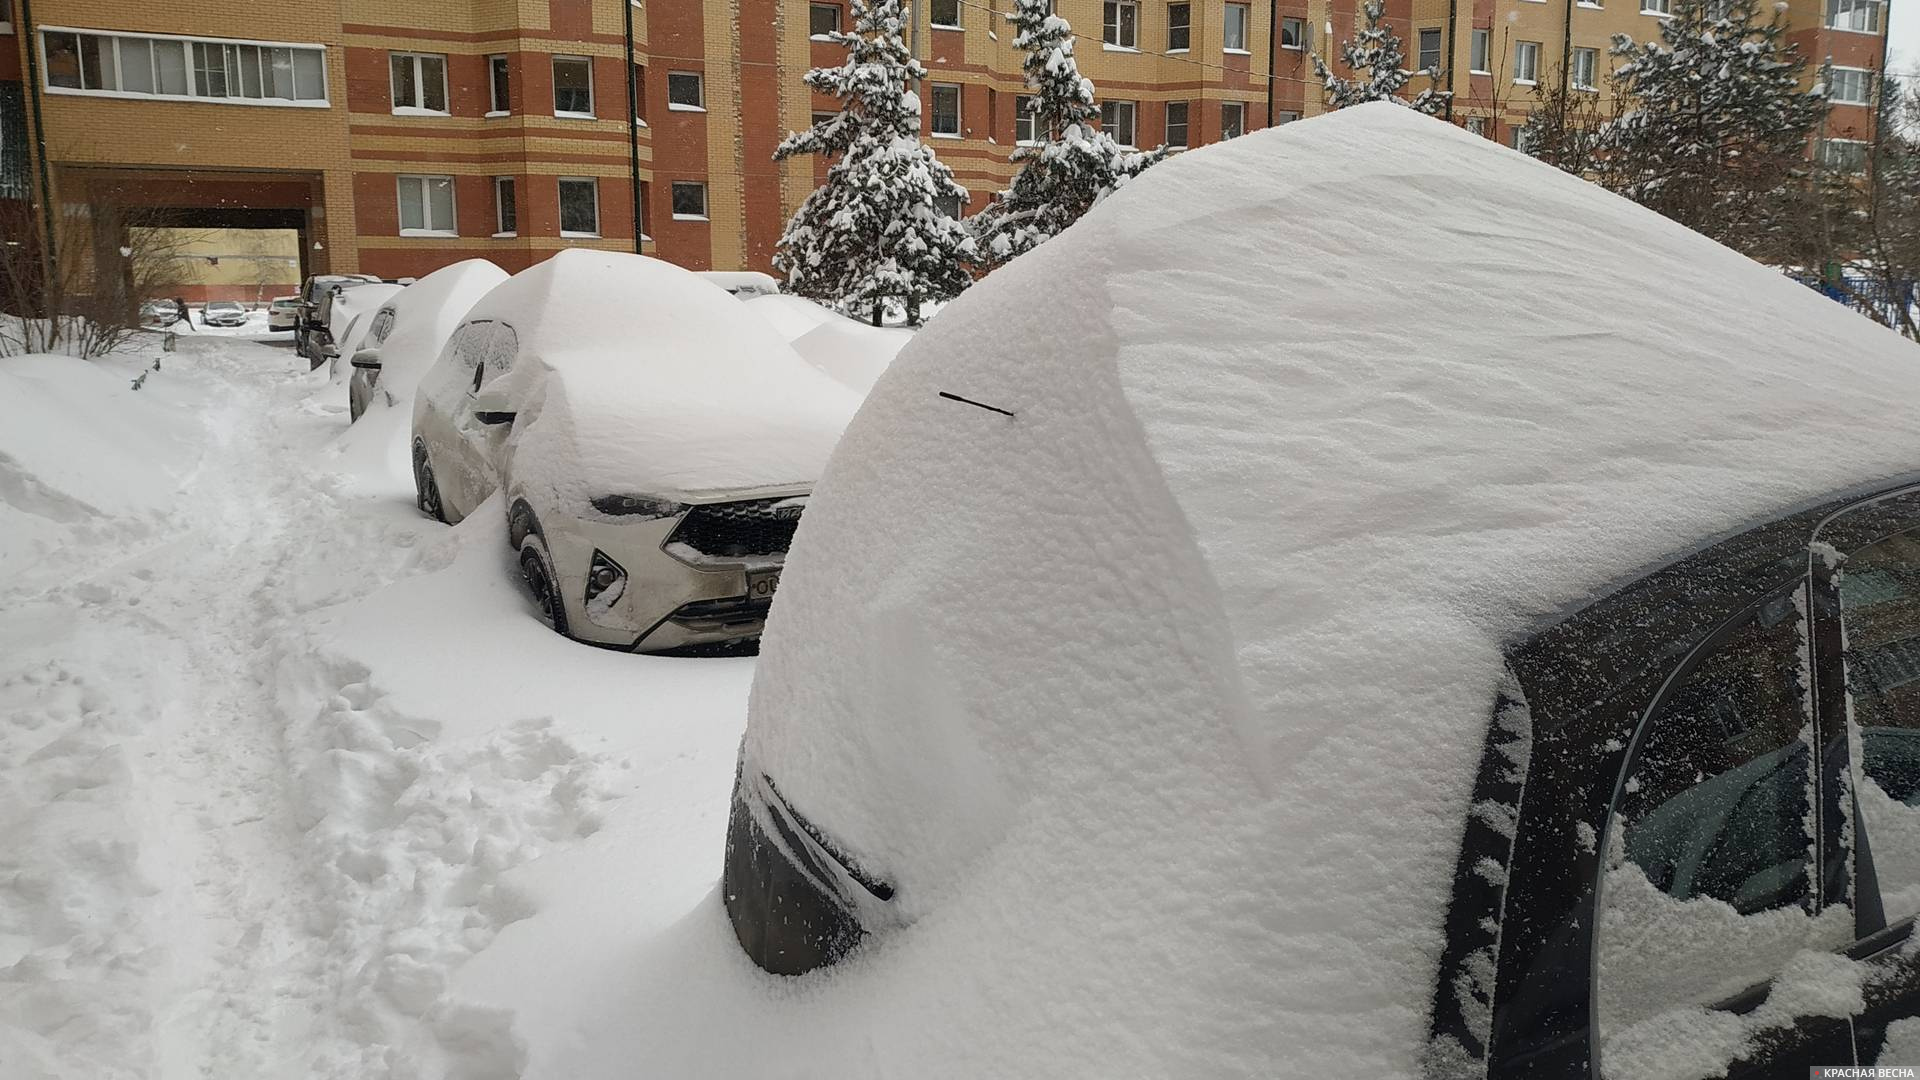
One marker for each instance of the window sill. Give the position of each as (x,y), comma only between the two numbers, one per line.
(1109,47)
(409,110)
(1844,101)
(945,26)
(1236,52)
(506,235)
(947,135)
(129,95)
(1589,6)
(1292,48)
(1587,89)
(1657,14)
(690,217)
(565,235)
(558,115)
(495,114)
(1026,142)
(674,106)
(428,232)
(1477,71)
(820,37)
(1176,52)
(1835,29)
(1526,82)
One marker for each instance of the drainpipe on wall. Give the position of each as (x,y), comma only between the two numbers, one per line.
(1453,42)
(633,135)
(1566,58)
(1273,53)
(39,136)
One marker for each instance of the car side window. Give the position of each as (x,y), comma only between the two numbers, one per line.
(1879,587)
(470,349)
(1709,885)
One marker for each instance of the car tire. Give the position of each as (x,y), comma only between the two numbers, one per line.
(426,493)
(536,569)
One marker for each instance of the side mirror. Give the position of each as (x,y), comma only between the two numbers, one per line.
(490,406)
(367,360)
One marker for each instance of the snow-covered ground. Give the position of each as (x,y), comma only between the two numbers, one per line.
(276,752)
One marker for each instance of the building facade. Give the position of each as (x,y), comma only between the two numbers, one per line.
(398,137)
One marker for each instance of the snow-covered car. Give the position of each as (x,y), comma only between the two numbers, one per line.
(1361,601)
(159,314)
(283,313)
(227,313)
(407,333)
(743,284)
(310,331)
(655,448)
(350,315)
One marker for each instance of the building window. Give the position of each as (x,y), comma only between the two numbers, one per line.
(573,86)
(946,109)
(1293,33)
(1850,86)
(1429,48)
(640,94)
(1176,123)
(506,213)
(1234,29)
(1526,62)
(1120,26)
(949,206)
(1233,119)
(1843,155)
(1179,27)
(1285,118)
(1520,141)
(1862,16)
(1656,7)
(646,204)
(1023,129)
(419,82)
(126,65)
(1477,125)
(6,16)
(685,92)
(1481,52)
(822,20)
(944,13)
(1116,119)
(1584,63)
(499,87)
(579,206)
(689,201)
(426,206)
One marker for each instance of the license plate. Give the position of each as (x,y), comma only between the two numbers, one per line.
(762,584)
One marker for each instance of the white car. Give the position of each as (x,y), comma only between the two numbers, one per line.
(406,334)
(283,313)
(853,352)
(655,448)
(1342,608)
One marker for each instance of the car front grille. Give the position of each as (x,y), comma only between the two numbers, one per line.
(757,527)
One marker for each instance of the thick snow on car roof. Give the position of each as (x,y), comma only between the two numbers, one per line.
(1159,702)
(667,387)
(426,313)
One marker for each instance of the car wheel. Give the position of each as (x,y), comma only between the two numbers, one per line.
(426,493)
(536,567)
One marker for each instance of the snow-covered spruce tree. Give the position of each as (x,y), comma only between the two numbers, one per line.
(874,233)
(1714,129)
(1374,57)
(1072,164)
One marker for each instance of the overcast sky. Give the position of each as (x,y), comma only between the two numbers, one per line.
(1903,36)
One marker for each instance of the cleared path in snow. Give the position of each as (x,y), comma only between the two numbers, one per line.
(159,909)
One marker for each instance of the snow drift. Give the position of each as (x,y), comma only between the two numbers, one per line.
(1160,700)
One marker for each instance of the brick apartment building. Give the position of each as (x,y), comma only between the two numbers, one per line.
(398,137)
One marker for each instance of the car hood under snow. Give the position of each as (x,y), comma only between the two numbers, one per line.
(636,377)
(1160,701)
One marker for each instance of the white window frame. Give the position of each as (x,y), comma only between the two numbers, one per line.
(1285,116)
(1592,79)
(1477,125)
(705,206)
(1420,47)
(700,80)
(426,204)
(560,203)
(1133,120)
(1482,44)
(1246,29)
(1853,7)
(959,206)
(493,85)
(1299,39)
(420,84)
(1821,149)
(1658,8)
(837,10)
(1866,87)
(553,63)
(187,42)
(933,112)
(1186,125)
(1031,120)
(500,206)
(938,25)
(1119,23)
(1237,106)
(1187,26)
(1531,50)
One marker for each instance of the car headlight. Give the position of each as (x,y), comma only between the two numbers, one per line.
(637,506)
(606,581)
